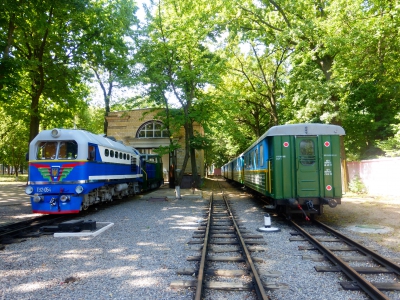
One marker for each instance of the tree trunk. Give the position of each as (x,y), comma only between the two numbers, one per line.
(195,177)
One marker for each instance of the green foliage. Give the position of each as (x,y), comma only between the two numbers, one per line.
(357,186)
(13,142)
(235,67)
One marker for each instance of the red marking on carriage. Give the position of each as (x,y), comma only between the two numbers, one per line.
(286,144)
(327,144)
(328,187)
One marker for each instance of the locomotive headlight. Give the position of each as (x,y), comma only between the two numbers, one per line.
(79,189)
(55,133)
(29,190)
(64,198)
(37,198)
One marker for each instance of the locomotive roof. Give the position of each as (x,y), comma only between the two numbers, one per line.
(81,136)
(302,129)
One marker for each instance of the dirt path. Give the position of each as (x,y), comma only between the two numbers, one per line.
(364,210)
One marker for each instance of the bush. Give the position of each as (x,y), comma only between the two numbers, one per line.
(357,186)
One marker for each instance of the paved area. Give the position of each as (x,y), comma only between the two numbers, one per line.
(13,193)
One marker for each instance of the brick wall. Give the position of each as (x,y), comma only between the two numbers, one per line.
(123,125)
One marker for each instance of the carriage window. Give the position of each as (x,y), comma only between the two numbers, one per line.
(256,156)
(106,152)
(120,155)
(307,152)
(116,154)
(261,155)
(125,156)
(112,153)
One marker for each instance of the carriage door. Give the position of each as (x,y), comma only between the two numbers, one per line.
(307,166)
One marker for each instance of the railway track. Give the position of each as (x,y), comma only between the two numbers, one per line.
(346,255)
(14,232)
(30,228)
(225,264)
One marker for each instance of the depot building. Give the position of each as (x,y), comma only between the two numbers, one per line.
(144,131)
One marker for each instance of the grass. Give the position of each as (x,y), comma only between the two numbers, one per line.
(12,178)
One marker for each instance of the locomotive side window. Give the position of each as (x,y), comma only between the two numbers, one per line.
(92,153)
(307,152)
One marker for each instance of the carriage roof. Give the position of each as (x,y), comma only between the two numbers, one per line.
(302,129)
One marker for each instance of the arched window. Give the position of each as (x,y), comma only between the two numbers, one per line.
(152,129)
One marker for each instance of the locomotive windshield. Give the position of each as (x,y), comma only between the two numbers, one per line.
(57,150)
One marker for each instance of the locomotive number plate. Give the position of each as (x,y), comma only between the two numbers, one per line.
(43,189)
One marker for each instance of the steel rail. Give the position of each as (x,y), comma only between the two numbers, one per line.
(31,225)
(200,276)
(259,287)
(375,256)
(365,285)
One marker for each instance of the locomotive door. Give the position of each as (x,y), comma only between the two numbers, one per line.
(307,166)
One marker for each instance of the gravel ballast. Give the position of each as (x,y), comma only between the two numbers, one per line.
(139,256)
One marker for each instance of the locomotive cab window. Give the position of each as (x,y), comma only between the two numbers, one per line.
(71,149)
(47,150)
(307,152)
(57,150)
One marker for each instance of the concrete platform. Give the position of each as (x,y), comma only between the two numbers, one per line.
(103,226)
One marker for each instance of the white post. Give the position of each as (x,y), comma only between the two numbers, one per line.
(178,192)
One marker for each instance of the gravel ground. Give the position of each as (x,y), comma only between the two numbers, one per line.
(138,257)
(298,279)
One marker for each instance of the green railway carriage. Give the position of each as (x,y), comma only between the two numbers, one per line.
(297,166)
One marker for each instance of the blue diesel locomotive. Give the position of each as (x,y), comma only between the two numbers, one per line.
(71,169)
(297,166)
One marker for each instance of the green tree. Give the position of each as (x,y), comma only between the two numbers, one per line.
(177,62)
(13,146)
(109,56)
(42,45)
